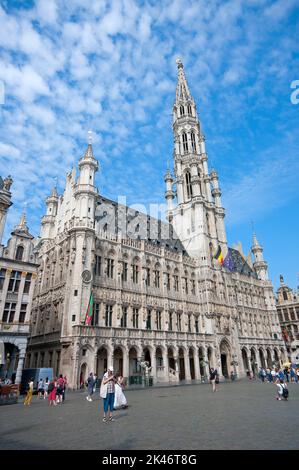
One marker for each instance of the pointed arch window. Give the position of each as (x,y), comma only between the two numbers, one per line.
(188,184)
(20,252)
(193,144)
(182,110)
(189,110)
(185,142)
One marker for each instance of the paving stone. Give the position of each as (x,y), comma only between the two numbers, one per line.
(242,415)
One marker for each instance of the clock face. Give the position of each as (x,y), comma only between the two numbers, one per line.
(86,275)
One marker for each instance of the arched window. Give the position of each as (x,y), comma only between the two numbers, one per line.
(285,295)
(193,142)
(188,183)
(20,251)
(182,111)
(185,142)
(189,110)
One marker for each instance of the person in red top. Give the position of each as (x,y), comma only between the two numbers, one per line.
(52,392)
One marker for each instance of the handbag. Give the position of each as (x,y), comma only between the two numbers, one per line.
(103,390)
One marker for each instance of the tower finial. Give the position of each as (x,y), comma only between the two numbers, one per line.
(89,133)
(179,63)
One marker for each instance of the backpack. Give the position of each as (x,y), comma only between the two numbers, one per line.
(285,392)
(51,387)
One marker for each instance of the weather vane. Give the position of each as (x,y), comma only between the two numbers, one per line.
(89,137)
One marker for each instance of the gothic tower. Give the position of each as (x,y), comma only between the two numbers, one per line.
(198,218)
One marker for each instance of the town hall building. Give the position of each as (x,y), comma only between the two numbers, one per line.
(172,294)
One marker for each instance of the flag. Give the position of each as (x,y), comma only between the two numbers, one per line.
(219,256)
(89,311)
(228,262)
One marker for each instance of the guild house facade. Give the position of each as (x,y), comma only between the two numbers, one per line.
(170,293)
(17,278)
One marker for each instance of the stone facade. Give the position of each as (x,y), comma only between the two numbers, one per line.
(159,293)
(288,314)
(17,278)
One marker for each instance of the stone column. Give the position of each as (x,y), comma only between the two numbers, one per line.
(153,371)
(20,366)
(165,364)
(196,365)
(187,365)
(126,370)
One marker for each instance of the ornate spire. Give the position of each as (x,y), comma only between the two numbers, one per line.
(182,89)
(89,150)
(255,242)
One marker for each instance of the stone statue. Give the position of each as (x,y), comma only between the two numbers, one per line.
(146,369)
(7,182)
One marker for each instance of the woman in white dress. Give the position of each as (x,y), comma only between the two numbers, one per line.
(120,400)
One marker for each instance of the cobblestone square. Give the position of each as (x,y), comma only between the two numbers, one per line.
(241,415)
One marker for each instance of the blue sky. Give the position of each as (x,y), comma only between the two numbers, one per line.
(110,66)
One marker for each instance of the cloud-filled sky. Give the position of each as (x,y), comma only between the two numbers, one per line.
(70,66)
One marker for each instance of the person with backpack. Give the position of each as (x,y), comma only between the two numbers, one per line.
(40,388)
(282,390)
(59,390)
(46,386)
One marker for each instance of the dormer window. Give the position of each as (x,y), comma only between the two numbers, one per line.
(20,252)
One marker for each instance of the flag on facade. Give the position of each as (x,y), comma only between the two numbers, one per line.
(228,262)
(219,256)
(89,311)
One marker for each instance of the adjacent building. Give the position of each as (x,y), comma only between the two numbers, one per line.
(17,277)
(171,293)
(288,313)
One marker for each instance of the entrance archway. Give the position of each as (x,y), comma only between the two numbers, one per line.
(253,362)
(225,358)
(191,362)
(134,367)
(171,360)
(10,361)
(276,358)
(269,359)
(262,358)
(201,362)
(245,360)
(83,375)
(102,362)
(182,374)
(118,361)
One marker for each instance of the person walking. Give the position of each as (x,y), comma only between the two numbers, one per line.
(29,394)
(90,386)
(263,374)
(107,392)
(282,390)
(46,387)
(52,392)
(64,388)
(95,379)
(297,375)
(40,388)
(60,387)
(213,374)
